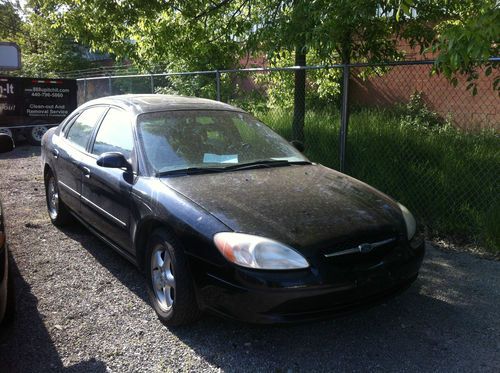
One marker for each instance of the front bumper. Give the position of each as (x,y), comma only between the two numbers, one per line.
(303,295)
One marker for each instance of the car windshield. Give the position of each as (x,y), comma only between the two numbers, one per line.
(210,140)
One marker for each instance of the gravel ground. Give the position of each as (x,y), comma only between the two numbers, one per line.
(81,308)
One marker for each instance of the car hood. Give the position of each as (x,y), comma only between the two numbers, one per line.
(301,205)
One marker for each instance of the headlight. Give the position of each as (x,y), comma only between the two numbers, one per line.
(257,252)
(411,224)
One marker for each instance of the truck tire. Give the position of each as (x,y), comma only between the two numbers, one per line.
(34,134)
(8,132)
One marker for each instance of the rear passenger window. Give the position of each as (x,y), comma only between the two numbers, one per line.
(114,134)
(81,130)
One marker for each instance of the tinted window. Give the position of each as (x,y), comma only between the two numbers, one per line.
(69,123)
(115,134)
(80,131)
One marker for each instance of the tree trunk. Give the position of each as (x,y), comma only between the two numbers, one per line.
(299,98)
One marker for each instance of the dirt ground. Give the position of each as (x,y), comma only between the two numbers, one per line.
(81,308)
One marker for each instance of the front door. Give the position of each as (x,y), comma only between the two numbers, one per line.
(69,152)
(106,191)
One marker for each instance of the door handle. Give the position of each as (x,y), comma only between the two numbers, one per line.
(86,172)
(55,153)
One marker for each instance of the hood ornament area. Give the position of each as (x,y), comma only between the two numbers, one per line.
(364,248)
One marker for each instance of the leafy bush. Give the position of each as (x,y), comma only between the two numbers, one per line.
(416,114)
(187,85)
(274,90)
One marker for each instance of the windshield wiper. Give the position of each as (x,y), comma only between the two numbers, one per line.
(239,166)
(190,171)
(265,163)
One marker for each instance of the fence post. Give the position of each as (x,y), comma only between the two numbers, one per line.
(110,86)
(344,117)
(217,84)
(85,90)
(152,82)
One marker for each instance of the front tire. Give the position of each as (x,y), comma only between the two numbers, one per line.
(58,212)
(170,284)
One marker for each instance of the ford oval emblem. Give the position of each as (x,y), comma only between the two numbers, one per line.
(365,248)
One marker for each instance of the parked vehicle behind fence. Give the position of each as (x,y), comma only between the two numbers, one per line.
(222,214)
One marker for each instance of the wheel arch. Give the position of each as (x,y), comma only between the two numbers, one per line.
(142,234)
(46,171)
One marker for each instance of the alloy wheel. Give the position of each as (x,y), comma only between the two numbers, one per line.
(52,198)
(162,277)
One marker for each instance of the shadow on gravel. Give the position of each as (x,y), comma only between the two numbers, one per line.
(433,326)
(335,344)
(26,345)
(22,151)
(429,327)
(119,267)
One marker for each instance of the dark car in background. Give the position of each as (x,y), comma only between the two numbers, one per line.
(223,214)
(7,300)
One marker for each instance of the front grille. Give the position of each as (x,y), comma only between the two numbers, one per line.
(364,248)
(350,258)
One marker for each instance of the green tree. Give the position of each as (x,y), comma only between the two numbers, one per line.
(208,34)
(203,34)
(45,48)
(464,45)
(10,22)
(464,35)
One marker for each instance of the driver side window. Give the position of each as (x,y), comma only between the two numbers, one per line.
(81,130)
(114,134)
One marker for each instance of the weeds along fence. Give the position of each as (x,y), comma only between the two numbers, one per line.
(433,146)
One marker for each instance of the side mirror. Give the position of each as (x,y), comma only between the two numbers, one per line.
(6,143)
(113,160)
(299,145)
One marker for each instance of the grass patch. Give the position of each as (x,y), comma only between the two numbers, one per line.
(449,179)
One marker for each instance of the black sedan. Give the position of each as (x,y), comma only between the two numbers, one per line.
(7,299)
(222,214)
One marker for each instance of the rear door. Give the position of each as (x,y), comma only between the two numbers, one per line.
(69,153)
(106,191)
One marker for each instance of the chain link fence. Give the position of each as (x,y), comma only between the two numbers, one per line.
(433,146)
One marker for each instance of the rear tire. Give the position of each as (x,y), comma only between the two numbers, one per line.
(58,212)
(170,284)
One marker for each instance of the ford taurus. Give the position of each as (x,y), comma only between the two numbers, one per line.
(222,214)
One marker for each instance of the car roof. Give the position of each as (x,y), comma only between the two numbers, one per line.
(145,103)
